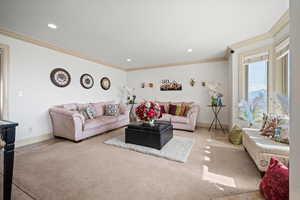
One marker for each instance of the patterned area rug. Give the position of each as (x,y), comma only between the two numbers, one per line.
(177,149)
(245,196)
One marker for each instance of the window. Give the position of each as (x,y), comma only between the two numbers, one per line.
(254,87)
(281,79)
(264,83)
(257,86)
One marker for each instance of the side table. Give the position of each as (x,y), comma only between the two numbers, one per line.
(216,110)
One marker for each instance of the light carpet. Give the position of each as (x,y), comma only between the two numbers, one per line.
(91,170)
(177,149)
(245,196)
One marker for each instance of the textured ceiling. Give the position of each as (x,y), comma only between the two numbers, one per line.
(150,32)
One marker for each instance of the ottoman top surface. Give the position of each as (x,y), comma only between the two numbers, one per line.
(158,126)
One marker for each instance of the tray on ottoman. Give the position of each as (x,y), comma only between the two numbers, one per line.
(151,136)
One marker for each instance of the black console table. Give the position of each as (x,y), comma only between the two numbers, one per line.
(8,132)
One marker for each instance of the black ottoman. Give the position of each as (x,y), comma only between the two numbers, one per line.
(150,136)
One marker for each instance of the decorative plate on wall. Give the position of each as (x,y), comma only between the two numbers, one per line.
(105,83)
(60,77)
(86,81)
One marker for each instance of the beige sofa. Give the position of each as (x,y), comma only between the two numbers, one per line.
(261,149)
(187,123)
(67,122)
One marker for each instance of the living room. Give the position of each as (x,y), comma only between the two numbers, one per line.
(149,99)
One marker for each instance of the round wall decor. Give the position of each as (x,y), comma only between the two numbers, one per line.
(105,83)
(86,81)
(60,77)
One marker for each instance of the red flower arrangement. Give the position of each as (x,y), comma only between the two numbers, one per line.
(148,111)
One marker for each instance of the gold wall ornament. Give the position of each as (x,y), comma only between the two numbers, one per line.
(192,82)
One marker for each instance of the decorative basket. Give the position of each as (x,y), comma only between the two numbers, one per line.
(236,135)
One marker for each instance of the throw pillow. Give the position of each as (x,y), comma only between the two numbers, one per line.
(84,114)
(275,183)
(269,129)
(178,110)
(187,109)
(112,110)
(91,111)
(162,109)
(182,111)
(172,109)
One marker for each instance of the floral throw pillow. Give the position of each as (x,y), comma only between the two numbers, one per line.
(91,111)
(112,110)
(275,183)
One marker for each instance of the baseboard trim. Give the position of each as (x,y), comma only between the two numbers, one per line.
(207,125)
(33,140)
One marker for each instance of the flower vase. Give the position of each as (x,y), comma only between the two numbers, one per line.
(151,122)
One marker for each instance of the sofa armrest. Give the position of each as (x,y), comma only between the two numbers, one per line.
(66,123)
(67,113)
(124,110)
(192,115)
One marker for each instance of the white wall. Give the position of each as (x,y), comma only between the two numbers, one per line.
(211,72)
(295,99)
(30,68)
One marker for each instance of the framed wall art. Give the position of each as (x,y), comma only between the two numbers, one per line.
(105,83)
(60,77)
(167,85)
(86,81)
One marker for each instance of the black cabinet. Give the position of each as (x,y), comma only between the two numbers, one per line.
(8,132)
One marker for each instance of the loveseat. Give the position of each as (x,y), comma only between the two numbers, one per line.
(262,148)
(187,122)
(68,122)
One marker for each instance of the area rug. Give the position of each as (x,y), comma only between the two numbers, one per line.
(245,196)
(177,149)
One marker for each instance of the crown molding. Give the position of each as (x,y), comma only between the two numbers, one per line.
(209,60)
(53,47)
(276,28)
(280,24)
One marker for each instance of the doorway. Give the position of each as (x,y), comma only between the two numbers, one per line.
(4,69)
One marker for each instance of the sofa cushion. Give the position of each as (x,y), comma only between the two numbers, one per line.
(165,104)
(112,110)
(162,109)
(172,109)
(123,117)
(179,119)
(266,145)
(91,111)
(100,107)
(165,117)
(99,121)
(70,106)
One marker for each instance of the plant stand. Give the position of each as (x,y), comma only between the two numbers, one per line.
(216,110)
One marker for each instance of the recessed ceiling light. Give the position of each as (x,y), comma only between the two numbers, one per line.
(128,59)
(53,26)
(189,50)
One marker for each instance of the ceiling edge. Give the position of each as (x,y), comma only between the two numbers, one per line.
(53,47)
(209,60)
(276,28)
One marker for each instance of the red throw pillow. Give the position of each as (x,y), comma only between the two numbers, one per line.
(162,109)
(172,109)
(275,183)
